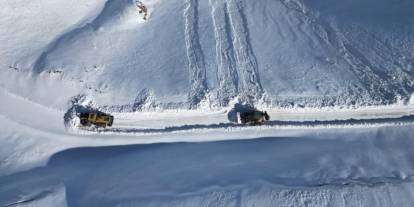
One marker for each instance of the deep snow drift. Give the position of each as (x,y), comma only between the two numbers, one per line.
(366,168)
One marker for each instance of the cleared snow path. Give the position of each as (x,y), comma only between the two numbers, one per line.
(350,123)
(149,124)
(281,119)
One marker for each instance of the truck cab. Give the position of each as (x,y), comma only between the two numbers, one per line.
(253,117)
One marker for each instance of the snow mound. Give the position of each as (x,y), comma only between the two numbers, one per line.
(78,104)
(364,168)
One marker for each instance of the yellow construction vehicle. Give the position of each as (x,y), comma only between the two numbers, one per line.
(98,119)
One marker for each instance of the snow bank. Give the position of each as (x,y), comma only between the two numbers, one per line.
(366,167)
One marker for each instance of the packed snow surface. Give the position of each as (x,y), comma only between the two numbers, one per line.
(336,78)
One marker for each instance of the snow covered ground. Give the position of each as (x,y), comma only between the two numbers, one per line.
(370,167)
(331,163)
(336,78)
(191,52)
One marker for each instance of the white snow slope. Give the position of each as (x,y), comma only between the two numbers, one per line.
(336,78)
(282,52)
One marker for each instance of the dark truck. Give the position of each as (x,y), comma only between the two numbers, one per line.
(253,117)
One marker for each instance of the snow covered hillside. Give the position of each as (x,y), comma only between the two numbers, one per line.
(280,52)
(336,78)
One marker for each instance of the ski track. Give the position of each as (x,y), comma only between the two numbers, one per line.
(237,71)
(227,74)
(245,59)
(196,62)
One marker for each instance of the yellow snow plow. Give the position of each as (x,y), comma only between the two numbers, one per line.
(98,119)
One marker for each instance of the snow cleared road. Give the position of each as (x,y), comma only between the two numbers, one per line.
(145,123)
(203,122)
(305,158)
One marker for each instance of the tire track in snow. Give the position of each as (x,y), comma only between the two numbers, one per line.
(237,71)
(245,59)
(227,74)
(276,124)
(196,62)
